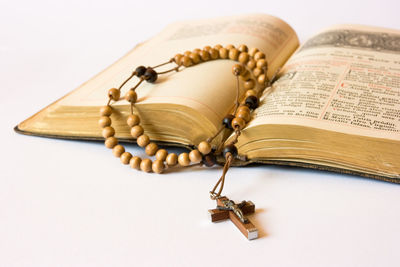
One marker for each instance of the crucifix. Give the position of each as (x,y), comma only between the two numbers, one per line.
(227,209)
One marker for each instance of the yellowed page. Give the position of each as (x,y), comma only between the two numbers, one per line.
(208,88)
(345,79)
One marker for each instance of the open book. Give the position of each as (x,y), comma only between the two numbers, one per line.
(335,105)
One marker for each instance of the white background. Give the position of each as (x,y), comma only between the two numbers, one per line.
(70,203)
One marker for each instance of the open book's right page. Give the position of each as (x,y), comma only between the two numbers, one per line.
(336,104)
(346,79)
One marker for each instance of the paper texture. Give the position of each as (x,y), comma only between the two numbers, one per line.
(344,79)
(208,88)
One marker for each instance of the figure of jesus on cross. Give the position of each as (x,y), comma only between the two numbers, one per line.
(227,209)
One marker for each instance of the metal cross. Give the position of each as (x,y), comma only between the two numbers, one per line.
(227,209)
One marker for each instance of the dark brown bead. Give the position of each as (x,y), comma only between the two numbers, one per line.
(209,160)
(150,75)
(140,71)
(227,121)
(231,149)
(252,102)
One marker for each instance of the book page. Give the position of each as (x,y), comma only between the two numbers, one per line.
(209,88)
(345,79)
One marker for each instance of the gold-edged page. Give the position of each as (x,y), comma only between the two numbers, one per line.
(345,79)
(208,88)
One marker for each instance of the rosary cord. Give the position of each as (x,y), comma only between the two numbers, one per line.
(237,94)
(221,181)
(130,77)
(173,69)
(162,64)
(251,68)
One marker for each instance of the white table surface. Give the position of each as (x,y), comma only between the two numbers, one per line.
(70,203)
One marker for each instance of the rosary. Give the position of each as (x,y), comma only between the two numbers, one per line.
(251,63)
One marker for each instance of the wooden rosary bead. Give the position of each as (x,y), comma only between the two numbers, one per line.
(230,149)
(207,48)
(243,48)
(195,57)
(140,71)
(177,60)
(150,75)
(251,64)
(204,147)
(205,56)
(172,159)
(146,165)
(251,92)
(223,53)
(259,55)
(125,157)
(249,84)
(245,75)
(136,131)
(237,69)
(104,121)
(133,120)
(243,57)
(257,72)
(111,142)
(118,150)
(227,121)
(186,61)
(261,63)
(108,131)
(214,54)
(151,149)
(261,79)
(161,154)
(105,111)
(233,54)
(209,160)
(243,108)
(135,162)
(252,102)
(253,59)
(253,51)
(143,140)
(114,94)
(238,123)
(195,156)
(243,115)
(184,159)
(131,96)
(158,166)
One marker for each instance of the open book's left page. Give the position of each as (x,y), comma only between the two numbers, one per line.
(208,89)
